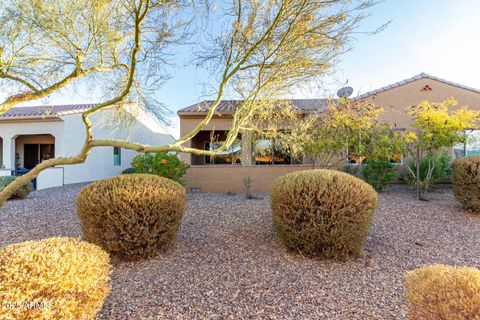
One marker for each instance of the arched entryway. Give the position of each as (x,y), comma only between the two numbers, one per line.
(32,149)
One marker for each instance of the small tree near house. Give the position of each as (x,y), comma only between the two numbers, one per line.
(435,128)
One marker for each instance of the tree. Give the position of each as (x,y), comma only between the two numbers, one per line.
(435,127)
(262,51)
(325,136)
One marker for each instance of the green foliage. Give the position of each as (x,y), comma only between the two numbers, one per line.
(443,292)
(128,171)
(133,215)
(20,193)
(466,182)
(440,173)
(435,127)
(68,276)
(323,213)
(378,173)
(352,169)
(161,164)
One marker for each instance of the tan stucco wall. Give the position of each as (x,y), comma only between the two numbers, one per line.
(395,101)
(224,178)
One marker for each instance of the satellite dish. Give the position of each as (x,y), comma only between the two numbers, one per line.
(345,92)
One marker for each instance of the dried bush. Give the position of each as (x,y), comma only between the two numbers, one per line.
(55,278)
(132,215)
(21,192)
(323,212)
(466,182)
(443,292)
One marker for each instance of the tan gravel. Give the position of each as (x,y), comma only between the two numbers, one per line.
(228,264)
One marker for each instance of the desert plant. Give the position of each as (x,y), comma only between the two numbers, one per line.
(323,212)
(443,292)
(20,193)
(160,164)
(128,171)
(55,278)
(466,182)
(440,173)
(351,169)
(132,215)
(378,173)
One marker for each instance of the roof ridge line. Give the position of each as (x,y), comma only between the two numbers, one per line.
(419,76)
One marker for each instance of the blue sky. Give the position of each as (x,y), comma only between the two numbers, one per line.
(440,37)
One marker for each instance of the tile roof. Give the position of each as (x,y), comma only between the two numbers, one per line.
(229,106)
(45,111)
(414,78)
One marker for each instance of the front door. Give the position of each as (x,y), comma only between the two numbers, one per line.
(30,155)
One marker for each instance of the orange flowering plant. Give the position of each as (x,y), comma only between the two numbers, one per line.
(161,164)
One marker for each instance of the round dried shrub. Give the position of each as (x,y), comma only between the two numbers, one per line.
(466,182)
(323,213)
(132,216)
(443,292)
(55,278)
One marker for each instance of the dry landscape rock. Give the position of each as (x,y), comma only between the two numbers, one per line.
(228,264)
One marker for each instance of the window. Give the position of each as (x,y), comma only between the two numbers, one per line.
(117,156)
(230,156)
(471,147)
(269,152)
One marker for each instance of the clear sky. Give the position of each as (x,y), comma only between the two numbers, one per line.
(439,37)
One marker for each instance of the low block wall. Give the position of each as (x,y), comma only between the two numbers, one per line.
(49,178)
(224,178)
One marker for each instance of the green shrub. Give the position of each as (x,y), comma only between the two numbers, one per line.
(21,193)
(128,171)
(323,212)
(441,173)
(132,215)
(161,164)
(351,169)
(443,292)
(466,182)
(378,173)
(64,277)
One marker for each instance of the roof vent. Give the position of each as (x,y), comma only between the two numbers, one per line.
(426,88)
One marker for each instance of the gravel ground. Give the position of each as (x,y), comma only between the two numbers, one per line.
(228,264)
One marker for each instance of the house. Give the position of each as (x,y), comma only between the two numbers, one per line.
(225,173)
(29,135)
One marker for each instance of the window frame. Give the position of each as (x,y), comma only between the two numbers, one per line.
(117,156)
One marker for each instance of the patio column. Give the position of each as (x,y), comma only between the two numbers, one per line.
(9,153)
(246,153)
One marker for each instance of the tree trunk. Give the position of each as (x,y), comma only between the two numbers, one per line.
(418,180)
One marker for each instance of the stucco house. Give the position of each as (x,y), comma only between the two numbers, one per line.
(29,135)
(225,172)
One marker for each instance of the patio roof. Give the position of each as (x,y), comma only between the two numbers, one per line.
(229,106)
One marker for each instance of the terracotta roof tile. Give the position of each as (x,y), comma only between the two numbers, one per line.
(45,111)
(229,106)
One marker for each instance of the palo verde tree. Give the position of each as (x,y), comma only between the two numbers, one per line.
(325,135)
(435,128)
(262,49)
